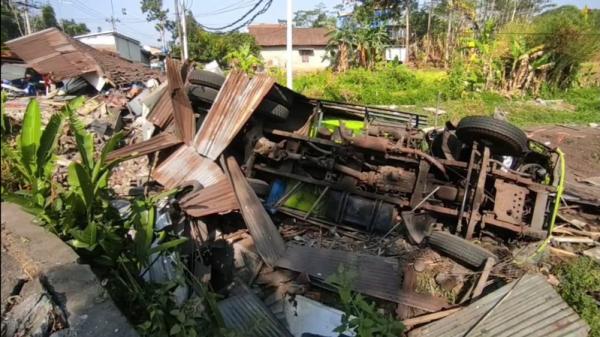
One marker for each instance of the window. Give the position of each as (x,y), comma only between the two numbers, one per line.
(305,54)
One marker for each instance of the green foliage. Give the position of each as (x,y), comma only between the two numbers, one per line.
(73,28)
(361,316)
(12,23)
(317,17)
(47,19)
(579,280)
(205,47)
(244,60)
(34,159)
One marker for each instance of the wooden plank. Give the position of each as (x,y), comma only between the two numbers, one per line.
(487,268)
(268,241)
(159,142)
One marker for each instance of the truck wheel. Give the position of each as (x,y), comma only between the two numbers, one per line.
(460,249)
(500,136)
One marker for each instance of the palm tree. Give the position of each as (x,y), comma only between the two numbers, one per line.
(340,48)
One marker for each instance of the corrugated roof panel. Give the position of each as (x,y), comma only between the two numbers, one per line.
(217,198)
(185,164)
(235,103)
(529,307)
(375,275)
(156,143)
(162,113)
(247,314)
(182,108)
(268,241)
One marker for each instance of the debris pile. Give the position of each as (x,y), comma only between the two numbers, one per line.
(286,192)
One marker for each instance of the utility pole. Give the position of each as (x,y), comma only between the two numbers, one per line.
(184,33)
(26,14)
(407,38)
(112,19)
(288,44)
(178,24)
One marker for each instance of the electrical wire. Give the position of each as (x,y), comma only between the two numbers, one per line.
(239,23)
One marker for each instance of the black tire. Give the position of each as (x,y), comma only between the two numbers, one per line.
(500,136)
(459,249)
(260,187)
(200,93)
(206,78)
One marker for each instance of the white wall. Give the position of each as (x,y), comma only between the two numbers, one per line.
(277,57)
(106,41)
(125,48)
(129,50)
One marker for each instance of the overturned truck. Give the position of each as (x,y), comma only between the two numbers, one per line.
(374,169)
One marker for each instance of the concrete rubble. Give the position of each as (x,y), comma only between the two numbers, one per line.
(428,219)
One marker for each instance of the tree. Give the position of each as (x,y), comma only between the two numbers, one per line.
(244,59)
(12,22)
(47,19)
(318,17)
(154,12)
(73,28)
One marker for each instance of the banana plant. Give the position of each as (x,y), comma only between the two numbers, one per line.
(35,158)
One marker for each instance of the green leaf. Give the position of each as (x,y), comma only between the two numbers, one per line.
(175,329)
(48,142)
(87,238)
(83,139)
(79,179)
(30,135)
(167,245)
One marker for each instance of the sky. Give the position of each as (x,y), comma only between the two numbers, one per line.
(207,12)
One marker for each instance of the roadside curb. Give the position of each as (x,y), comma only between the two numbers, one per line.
(45,258)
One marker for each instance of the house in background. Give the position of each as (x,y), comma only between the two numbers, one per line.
(308,46)
(124,46)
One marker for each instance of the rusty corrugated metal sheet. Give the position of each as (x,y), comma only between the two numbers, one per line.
(268,241)
(217,198)
(235,103)
(246,314)
(51,50)
(162,113)
(528,307)
(159,142)
(185,164)
(182,108)
(376,276)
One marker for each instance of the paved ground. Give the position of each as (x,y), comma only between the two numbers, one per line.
(45,291)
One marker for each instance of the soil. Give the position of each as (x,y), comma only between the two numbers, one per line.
(581,146)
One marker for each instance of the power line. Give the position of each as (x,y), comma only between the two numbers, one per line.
(239,23)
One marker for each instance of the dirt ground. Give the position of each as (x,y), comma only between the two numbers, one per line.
(581,146)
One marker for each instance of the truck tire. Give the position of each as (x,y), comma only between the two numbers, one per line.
(200,93)
(500,136)
(459,249)
(206,78)
(209,79)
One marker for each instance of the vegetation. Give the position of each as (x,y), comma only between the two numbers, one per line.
(315,18)
(244,60)
(361,316)
(120,245)
(579,283)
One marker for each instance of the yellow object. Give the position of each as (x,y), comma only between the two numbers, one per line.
(559,191)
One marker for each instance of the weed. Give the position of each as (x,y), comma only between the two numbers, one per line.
(361,316)
(579,280)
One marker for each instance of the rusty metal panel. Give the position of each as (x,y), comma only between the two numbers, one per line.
(182,108)
(217,198)
(246,314)
(267,239)
(510,201)
(185,164)
(159,142)
(50,50)
(162,113)
(235,103)
(527,307)
(376,276)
